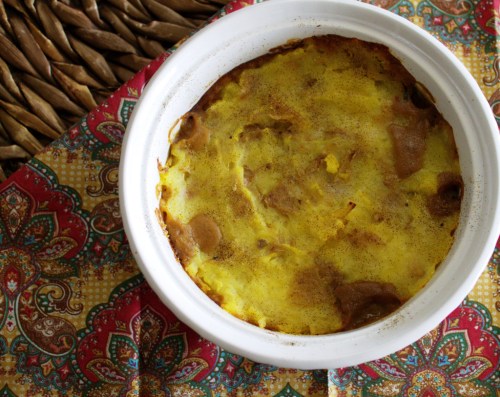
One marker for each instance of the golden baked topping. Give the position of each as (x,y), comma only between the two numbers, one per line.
(314,189)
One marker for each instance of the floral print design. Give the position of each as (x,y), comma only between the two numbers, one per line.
(461,357)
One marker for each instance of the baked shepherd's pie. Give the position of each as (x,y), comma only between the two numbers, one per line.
(314,189)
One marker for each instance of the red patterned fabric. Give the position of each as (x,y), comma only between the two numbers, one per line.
(77,318)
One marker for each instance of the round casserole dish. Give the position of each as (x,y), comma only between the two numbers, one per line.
(251,32)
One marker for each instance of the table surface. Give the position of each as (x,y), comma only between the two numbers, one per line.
(78,319)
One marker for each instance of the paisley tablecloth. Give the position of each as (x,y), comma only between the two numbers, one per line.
(78,319)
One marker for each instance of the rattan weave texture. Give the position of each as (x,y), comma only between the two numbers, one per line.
(61,58)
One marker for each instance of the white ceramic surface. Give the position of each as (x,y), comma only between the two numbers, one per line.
(251,32)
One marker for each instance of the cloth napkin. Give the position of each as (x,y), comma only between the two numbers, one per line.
(78,319)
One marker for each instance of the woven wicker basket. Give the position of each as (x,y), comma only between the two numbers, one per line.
(59,59)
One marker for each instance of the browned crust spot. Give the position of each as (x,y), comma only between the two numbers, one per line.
(449,194)
(281,199)
(363,302)
(181,239)
(315,284)
(193,132)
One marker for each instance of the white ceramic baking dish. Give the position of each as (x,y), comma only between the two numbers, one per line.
(244,35)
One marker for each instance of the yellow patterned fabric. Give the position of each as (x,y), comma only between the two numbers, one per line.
(78,319)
